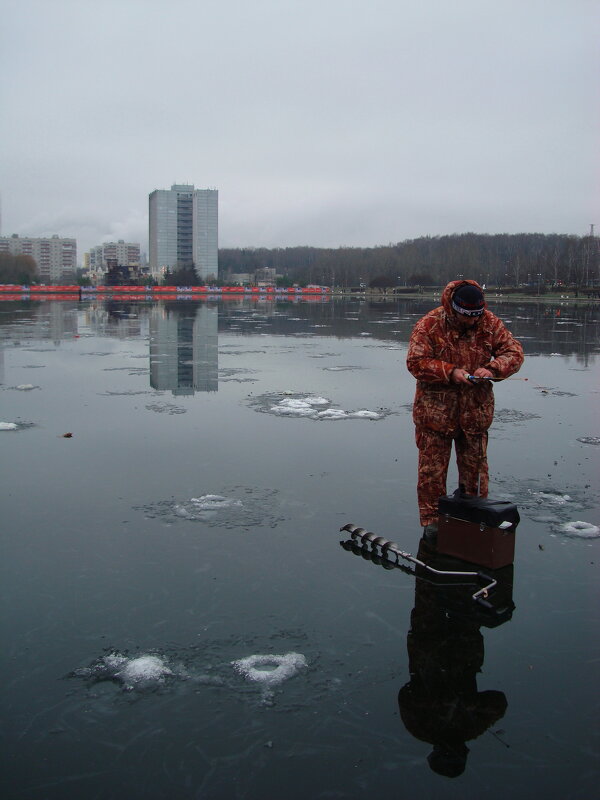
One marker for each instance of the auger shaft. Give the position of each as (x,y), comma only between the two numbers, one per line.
(386,546)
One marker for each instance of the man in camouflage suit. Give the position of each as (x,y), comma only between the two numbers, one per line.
(460,338)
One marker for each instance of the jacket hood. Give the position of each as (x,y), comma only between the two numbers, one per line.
(449,291)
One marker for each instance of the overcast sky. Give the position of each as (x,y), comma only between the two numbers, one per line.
(320,122)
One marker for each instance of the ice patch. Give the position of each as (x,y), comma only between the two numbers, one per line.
(211,502)
(270,670)
(143,669)
(548,504)
(26,387)
(257,507)
(341,368)
(8,426)
(512,415)
(583,530)
(298,407)
(333,413)
(365,414)
(166,408)
(589,439)
(309,407)
(548,497)
(133,673)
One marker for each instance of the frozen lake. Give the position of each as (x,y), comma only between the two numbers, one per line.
(178,617)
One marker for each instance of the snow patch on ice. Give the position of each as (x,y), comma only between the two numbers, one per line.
(548,497)
(309,407)
(8,426)
(214,501)
(139,672)
(583,530)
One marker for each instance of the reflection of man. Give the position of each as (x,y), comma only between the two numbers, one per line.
(441,704)
(460,338)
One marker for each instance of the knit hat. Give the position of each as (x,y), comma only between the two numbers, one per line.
(468,300)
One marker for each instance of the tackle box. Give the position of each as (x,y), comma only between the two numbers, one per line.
(476,529)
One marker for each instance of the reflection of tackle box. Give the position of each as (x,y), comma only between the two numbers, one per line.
(478,530)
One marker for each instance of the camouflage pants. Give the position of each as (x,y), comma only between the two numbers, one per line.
(434,457)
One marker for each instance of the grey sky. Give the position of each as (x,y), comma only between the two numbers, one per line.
(321,122)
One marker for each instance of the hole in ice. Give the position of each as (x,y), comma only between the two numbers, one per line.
(584,530)
(270,670)
(238,507)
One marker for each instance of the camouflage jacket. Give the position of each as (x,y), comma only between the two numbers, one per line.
(437,345)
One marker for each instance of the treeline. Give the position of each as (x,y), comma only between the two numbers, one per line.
(497,260)
(18,269)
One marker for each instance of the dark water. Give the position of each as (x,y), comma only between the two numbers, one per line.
(190,526)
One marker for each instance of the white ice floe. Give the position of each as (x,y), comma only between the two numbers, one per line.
(364,414)
(294,408)
(333,413)
(549,497)
(270,670)
(206,507)
(589,439)
(25,387)
(313,408)
(138,672)
(143,669)
(8,426)
(210,502)
(584,530)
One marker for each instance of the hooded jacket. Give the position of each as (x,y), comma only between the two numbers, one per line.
(437,346)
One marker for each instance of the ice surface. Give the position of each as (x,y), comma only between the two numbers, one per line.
(270,670)
(584,530)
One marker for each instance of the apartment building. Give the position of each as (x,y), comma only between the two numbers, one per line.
(56,257)
(184,230)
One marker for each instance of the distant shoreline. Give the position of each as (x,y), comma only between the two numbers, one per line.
(491,296)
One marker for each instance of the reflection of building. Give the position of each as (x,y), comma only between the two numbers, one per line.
(184,230)
(116,318)
(184,349)
(56,258)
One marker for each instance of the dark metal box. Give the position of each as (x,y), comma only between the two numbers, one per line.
(478,530)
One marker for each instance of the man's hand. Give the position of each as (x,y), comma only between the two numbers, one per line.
(482,372)
(459,375)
